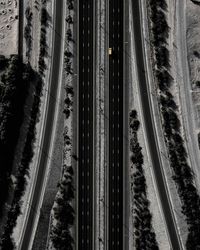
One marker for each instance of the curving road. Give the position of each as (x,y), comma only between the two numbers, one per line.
(48,125)
(149,125)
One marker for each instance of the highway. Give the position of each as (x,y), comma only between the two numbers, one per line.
(48,125)
(115,201)
(149,126)
(85,152)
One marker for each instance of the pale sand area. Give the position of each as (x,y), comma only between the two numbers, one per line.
(9,20)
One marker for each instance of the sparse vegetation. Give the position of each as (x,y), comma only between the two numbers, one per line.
(182,172)
(144,235)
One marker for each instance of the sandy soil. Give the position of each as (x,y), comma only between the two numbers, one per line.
(9,27)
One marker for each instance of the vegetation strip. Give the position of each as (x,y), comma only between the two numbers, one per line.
(182,172)
(13,92)
(27,75)
(63,215)
(144,235)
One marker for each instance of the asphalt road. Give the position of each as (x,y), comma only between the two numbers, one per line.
(86,164)
(115,223)
(24,245)
(163,193)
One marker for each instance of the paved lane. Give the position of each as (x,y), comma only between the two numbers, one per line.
(85,171)
(116,125)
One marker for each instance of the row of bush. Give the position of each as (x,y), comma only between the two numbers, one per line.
(144,235)
(63,212)
(27,31)
(45,20)
(182,172)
